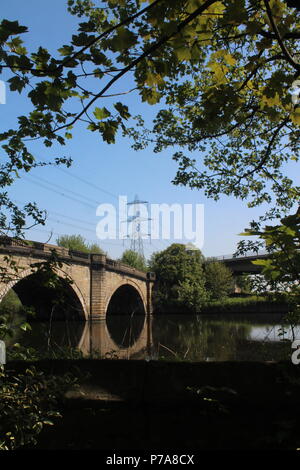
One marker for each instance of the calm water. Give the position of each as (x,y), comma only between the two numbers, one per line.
(180,337)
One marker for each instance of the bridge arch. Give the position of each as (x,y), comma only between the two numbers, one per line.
(27,275)
(125,314)
(123,283)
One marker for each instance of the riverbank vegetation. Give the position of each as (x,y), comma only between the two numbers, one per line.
(186,282)
(248,304)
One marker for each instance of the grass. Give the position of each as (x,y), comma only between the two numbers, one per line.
(237,304)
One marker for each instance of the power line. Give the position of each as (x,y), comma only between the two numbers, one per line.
(41,181)
(79,178)
(71,225)
(61,194)
(64,189)
(71,218)
(90,224)
(60,215)
(42,184)
(63,234)
(37,181)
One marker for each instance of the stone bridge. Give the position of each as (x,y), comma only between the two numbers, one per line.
(95,287)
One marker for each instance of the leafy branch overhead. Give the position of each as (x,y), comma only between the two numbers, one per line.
(219,73)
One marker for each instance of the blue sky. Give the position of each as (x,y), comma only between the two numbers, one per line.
(102,172)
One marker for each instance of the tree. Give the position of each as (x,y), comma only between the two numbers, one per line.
(180,280)
(219,281)
(281,270)
(221,70)
(78,243)
(134,260)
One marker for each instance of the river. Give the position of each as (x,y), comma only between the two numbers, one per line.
(239,337)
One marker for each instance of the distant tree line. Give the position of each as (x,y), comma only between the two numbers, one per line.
(78,243)
(186,281)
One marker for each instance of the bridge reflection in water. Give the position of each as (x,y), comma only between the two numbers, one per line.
(181,337)
(120,337)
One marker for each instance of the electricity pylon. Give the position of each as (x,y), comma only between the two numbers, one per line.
(136,237)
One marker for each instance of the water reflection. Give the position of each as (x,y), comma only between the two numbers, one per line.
(178,337)
(221,338)
(125,316)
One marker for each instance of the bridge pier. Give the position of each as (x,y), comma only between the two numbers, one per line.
(97,287)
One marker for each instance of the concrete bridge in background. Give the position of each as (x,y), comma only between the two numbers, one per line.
(94,284)
(242,264)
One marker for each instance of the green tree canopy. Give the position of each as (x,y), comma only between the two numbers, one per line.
(218,280)
(133,259)
(282,242)
(281,271)
(180,280)
(78,243)
(219,71)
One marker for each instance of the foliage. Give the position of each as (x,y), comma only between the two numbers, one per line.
(10,301)
(219,281)
(186,282)
(250,304)
(220,69)
(13,316)
(28,402)
(78,243)
(281,270)
(243,282)
(133,259)
(180,279)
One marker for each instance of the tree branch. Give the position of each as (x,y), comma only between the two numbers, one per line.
(279,38)
(146,53)
(107,32)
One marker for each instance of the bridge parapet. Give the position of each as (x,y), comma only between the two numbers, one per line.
(32,245)
(249,255)
(96,260)
(78,254)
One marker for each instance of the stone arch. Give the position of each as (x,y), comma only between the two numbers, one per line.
(121,283)
(126,314)
(25,273)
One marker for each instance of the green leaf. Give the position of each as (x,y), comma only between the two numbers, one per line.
(101,113)
(123,40)
(122,110)
(108,130)
(66,50)
(17,84)
(25,327)
(8,28)
(82,39)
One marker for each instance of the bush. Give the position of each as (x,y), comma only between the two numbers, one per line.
(219,280)
(28,402)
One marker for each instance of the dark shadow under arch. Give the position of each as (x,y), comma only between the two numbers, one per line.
(57,300)
(125,316)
